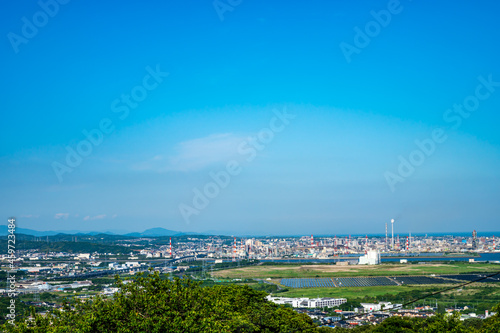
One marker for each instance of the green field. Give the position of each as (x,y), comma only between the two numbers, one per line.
(357,292)
(353,292)
(377,291)
(308,271)
(478,296)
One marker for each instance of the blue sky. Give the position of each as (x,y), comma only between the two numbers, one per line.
(219,84)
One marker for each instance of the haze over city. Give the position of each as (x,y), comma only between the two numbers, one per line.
(269,118)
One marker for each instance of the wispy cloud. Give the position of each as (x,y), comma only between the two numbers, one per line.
(195,154)
(91,218)
(63,216)
(30,216)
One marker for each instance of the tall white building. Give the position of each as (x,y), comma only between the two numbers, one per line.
(370,258)
(379,306)
(328,302)
(307,303)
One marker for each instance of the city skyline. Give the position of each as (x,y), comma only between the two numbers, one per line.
(281,118)
(162,232)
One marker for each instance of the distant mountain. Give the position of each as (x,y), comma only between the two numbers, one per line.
(153,232)
(159,232)
(4,230)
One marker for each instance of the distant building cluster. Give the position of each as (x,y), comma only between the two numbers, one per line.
(41,286)
(307,302)
(126,265)
(379,306)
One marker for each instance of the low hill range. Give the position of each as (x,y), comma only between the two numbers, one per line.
(153,232)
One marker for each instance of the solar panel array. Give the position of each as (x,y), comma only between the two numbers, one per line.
(308,283)
(364,282)
(419,280)
(472,277)
(337,282)
(380,281)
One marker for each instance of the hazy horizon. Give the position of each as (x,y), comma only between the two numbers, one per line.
(488,233)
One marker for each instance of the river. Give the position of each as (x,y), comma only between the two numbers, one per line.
(421,257)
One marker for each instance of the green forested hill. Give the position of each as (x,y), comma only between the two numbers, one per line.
(155,305)
(152,304)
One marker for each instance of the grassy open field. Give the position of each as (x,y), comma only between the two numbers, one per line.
(353,292)
(479,296)
(389,269)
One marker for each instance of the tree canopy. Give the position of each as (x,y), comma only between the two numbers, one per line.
(153,304)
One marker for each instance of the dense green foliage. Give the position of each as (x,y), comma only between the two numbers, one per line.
(152,304)
(155,304)
(435,324)
(21,308)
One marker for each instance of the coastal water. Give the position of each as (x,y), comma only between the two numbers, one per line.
(424,257)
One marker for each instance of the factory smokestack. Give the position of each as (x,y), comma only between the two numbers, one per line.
(392,232)
(234,249)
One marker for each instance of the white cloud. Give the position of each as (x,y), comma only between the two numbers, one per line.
(195,154)
(91,218)
(63,216)
(30,216)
